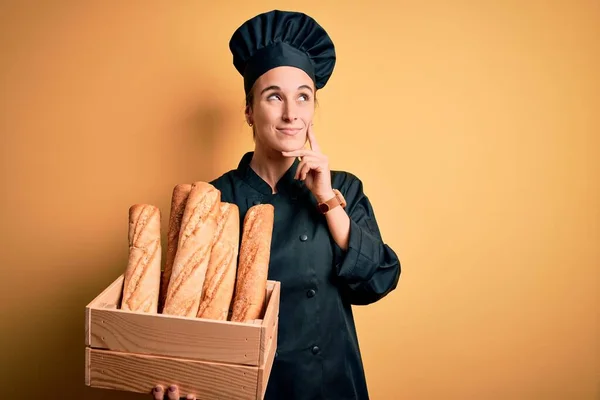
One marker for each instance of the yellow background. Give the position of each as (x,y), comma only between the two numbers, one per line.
(473,124)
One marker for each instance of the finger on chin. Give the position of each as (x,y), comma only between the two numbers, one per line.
(312,140)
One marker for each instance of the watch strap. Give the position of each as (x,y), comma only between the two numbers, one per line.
(336,200)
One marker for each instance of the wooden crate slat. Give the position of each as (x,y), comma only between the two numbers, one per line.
(158,334)
(140,373)
(88,328)
(265,371)
(270,319)
(88,366)
(110,295)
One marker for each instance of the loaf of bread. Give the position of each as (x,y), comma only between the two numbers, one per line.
(253,268)
(196,237)
(179,198)
(142,275)
(220,275)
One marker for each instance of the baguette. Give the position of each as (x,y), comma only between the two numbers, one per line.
(142,275)
(196,237)
(251,282)
(179,199)
(220,275)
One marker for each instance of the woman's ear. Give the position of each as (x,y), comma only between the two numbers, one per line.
(248,113)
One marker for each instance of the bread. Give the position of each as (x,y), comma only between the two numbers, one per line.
(142,275)
(179,199)
(196,237)
(220,275)
(253,268)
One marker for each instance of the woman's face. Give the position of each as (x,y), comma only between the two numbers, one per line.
(282,108)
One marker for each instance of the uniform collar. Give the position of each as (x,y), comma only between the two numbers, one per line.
(287,184)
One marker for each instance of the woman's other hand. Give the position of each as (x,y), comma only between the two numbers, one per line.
(172,393)
(313,168)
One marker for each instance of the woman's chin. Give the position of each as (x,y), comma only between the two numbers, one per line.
(277,145)
(289,145)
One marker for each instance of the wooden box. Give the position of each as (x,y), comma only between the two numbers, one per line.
(133,352)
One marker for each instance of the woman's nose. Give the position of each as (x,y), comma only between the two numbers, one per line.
(289,113)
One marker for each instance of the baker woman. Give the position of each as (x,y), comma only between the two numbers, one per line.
(327,250)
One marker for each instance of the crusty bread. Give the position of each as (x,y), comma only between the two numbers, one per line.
(220,275)
(196,237)
(142,275)
(179,199)
(253,269)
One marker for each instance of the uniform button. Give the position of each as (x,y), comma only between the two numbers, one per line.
(256,202)
(311,293)
(303,238)
(316,350)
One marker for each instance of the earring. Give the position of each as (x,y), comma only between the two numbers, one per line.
(250,124)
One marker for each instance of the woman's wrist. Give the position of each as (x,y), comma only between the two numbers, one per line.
(323,197)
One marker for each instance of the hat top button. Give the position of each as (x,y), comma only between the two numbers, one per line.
(303,238)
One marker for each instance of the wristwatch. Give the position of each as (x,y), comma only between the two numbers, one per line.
(337,200)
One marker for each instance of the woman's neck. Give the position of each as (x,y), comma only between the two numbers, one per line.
(270,165)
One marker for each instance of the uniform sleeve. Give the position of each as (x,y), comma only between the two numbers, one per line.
(369,269)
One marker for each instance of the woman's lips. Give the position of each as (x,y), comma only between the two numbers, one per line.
(289,131)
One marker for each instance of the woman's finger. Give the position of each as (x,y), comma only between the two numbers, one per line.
(314,158)
(302,174)
(158,392)
(299,153)
(312,140)
(319,159)
(173,393)
(298,170)
(307,167)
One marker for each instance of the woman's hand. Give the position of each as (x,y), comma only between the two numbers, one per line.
(172,393)
(313,168)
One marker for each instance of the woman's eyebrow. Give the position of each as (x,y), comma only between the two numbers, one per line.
(272,87)
(305,87)
(275,87)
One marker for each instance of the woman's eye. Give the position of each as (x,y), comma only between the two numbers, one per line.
(274,96)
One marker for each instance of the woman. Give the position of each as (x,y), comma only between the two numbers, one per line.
(327,250)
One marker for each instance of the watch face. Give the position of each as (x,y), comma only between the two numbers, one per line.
(323,207)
